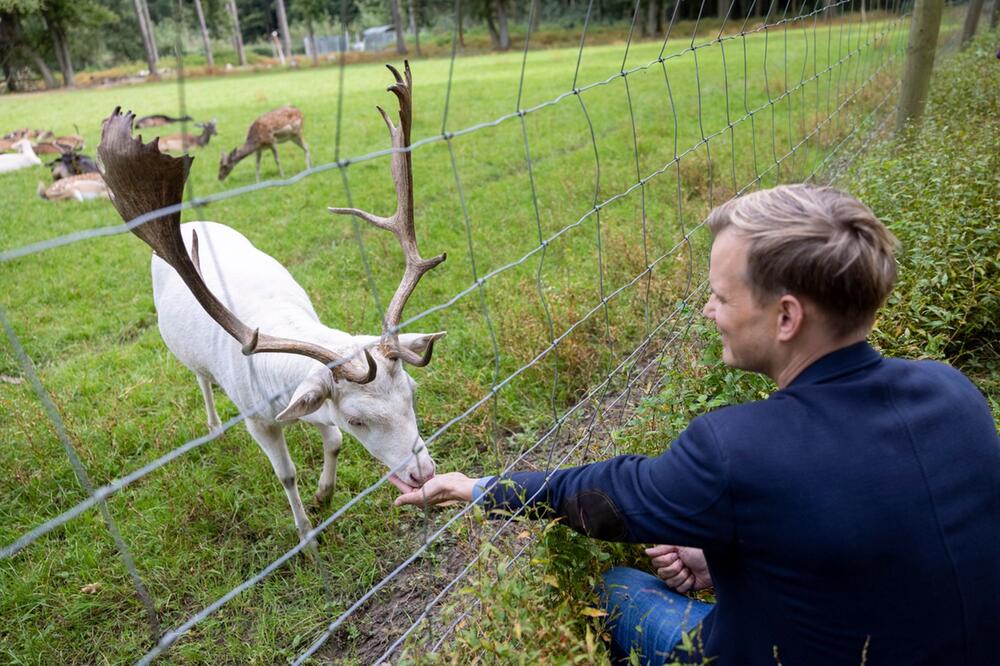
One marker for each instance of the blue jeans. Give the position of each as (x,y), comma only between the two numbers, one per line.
(646,615)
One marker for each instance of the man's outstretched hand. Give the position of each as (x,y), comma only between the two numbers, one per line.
(681,568)
(450,487)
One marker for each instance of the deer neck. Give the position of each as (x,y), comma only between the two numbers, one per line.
(240,152)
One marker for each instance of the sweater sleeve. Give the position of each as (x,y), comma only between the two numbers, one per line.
(680,497)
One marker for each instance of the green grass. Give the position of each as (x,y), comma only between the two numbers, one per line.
(217,515)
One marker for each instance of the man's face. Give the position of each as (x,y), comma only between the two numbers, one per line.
(748,328)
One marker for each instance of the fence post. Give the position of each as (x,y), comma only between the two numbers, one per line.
(919,60)
(971,21)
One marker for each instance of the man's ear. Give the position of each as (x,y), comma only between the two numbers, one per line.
(308,397)
(417,342)
(791,317)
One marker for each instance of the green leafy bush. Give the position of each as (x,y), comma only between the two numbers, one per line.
(938,189)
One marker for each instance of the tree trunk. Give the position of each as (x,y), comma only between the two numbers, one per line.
(413,26)
(43,69)
(397,25)
(994,14)
(69,76)
(650,28)
(204,34)
(147,42)
(286,39)
(723,7)
(460,20)
(312,42)
(502,20)
(494,35)
(971,21)
(237,34)
(536,14)
(151,32)
(920,50)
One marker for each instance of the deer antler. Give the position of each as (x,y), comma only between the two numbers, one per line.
(401,222)
(143,179)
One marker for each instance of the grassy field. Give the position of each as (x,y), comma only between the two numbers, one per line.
(216,516)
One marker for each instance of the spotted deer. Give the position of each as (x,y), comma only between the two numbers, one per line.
(272,128)
(214,308)
(179,143)
(78,187)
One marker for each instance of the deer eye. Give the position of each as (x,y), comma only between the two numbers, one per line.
(357,423)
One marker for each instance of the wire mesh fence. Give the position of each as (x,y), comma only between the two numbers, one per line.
(570,197)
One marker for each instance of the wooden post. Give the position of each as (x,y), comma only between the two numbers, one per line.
(924,30)
(971,22)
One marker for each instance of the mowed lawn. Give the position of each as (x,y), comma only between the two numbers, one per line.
(217,515)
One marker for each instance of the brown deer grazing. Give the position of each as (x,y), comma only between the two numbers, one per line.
(272,128)
(180,143)
(159,119)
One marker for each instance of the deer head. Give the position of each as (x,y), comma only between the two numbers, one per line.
(226,163)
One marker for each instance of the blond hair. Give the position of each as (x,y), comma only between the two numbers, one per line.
(816,242)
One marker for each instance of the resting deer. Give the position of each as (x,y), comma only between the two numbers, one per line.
(79,187)
(179,143)
(72,163)
(272,128)
(23,158)
(323,376)
(159,119)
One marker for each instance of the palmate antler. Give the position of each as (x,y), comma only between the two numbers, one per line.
(401,223)
(142,179)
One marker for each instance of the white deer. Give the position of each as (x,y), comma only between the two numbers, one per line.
(23,158)
(368,394)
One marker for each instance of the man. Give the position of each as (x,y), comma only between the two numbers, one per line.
(852,517)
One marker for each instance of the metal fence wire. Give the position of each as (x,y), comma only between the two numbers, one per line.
(830,77)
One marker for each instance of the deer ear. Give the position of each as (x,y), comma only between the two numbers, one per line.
(417,342)
(308,397)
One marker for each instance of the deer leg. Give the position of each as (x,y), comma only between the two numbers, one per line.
(301,143)
(205,384)
(332,439)
(274,151)
(272,440)
(258,166)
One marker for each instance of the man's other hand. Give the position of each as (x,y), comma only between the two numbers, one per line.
(450,487)
(681,568)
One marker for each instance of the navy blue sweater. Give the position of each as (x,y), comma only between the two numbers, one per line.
(858,506)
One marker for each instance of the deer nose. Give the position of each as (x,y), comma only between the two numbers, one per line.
(422,473)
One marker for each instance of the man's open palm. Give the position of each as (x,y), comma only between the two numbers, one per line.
(681,568)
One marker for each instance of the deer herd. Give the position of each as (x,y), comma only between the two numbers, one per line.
(239,321)
(76,176)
